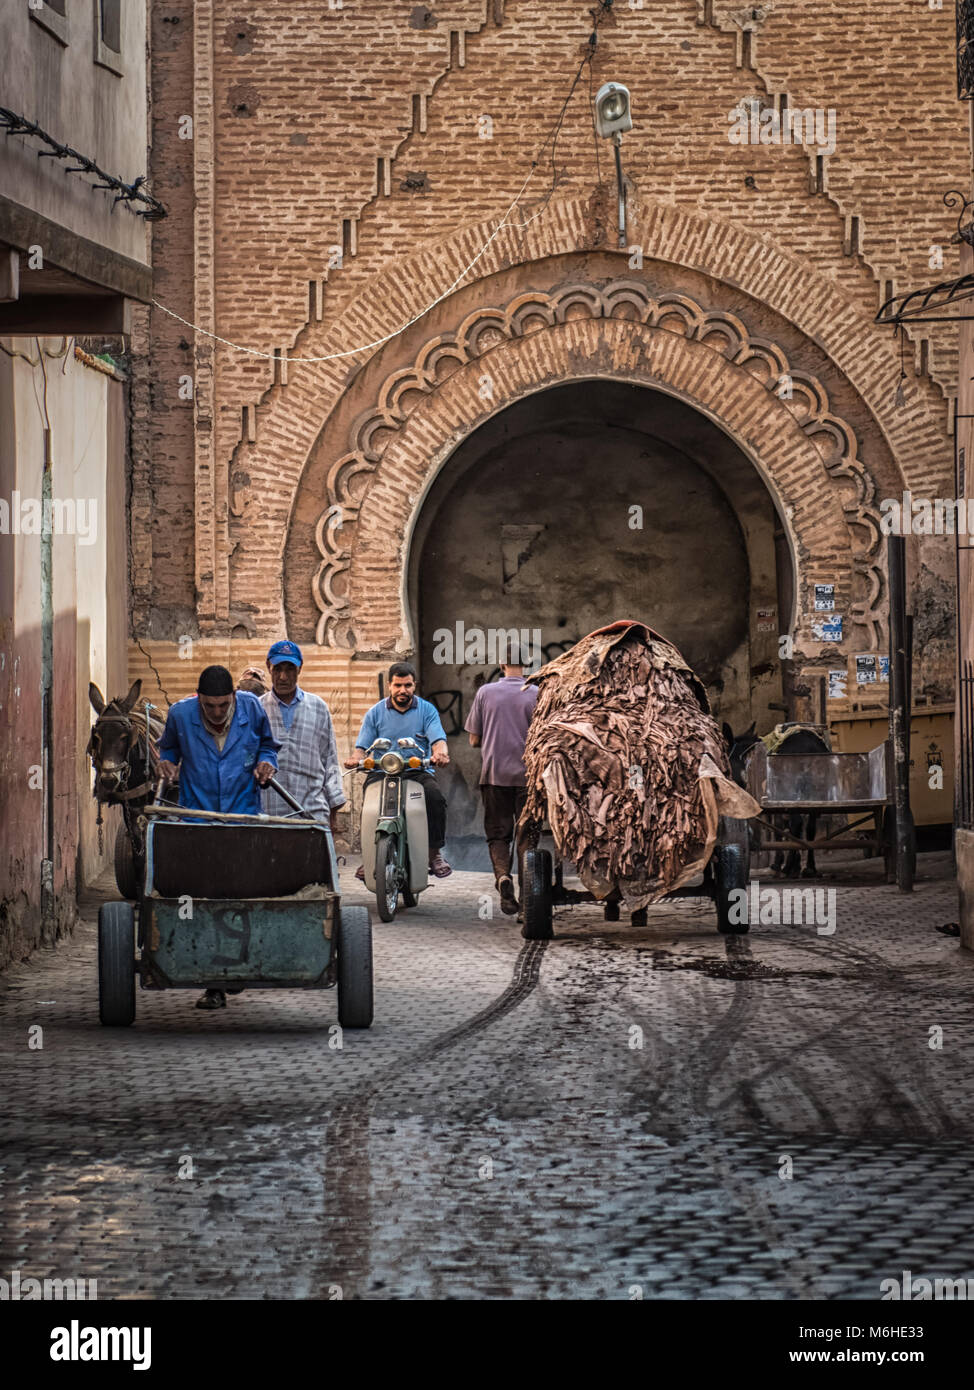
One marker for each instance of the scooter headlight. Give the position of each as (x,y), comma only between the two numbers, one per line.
(391,762)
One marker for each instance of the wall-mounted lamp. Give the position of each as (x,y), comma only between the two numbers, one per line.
(613,116)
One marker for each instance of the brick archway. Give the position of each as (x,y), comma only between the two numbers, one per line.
(807,456)
(269,477)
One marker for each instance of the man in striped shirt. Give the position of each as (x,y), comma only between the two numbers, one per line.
(308,764)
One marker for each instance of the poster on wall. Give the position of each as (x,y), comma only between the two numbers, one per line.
(824,598)
(866,670)
(767,619)
(828,629)
(884,670)
(837,684)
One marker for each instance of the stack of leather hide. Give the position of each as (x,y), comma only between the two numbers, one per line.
(627,765)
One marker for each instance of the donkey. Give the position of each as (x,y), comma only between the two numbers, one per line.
(123,752)
(798,740)
(738,748)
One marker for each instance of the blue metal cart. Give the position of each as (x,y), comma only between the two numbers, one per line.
(235,902)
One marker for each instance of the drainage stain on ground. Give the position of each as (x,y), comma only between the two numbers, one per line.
(741,968)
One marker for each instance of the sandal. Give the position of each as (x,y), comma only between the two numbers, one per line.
(212,999)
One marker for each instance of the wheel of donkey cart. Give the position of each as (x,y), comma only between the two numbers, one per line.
(354,967)
(536,896)
(732,872)
(116,964)
(126,868)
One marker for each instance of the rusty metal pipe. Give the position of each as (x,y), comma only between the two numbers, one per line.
(899,712)
(227,817)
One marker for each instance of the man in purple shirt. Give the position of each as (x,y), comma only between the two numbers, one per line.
(498,725)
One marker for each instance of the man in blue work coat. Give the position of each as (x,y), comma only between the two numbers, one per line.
(222,743)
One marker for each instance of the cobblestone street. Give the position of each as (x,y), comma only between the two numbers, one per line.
(500,1132)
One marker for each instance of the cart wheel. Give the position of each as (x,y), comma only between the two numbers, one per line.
(638,918)
(611,912)
(116,964)
(537,896)
(354,968)
(732,871)
(126,869)
(386,877)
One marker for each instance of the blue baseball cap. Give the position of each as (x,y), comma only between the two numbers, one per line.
(285,651)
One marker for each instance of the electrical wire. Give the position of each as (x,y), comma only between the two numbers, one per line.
(604,7)
(365,347)
(595,132)
(15,352)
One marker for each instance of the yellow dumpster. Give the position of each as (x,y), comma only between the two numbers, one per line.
(931,747)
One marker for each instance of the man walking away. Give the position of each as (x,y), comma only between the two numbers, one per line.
(498,725)
(301,723)
(221,744)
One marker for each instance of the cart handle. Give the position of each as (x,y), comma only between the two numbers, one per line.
(288,798)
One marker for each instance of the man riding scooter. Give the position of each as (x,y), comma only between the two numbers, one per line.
(404,715)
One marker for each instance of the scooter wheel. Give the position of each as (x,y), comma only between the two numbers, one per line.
(386,877)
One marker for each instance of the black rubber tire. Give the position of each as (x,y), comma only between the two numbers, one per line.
(638,918)
(409,898)
(610,912)
(126,867)
(116,964)
(385,857)
(732,870)
(536,891)
(354,967)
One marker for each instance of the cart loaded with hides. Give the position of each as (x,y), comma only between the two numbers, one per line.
(628,769)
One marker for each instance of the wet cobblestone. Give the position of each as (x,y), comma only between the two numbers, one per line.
(618,1128)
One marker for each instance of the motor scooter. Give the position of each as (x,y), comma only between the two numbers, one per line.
(395,838)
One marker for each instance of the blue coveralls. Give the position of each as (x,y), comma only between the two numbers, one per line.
(211,780)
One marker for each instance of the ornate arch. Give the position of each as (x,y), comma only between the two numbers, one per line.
(781,418)
(292,417)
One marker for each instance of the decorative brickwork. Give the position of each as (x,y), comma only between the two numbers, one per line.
(626,302)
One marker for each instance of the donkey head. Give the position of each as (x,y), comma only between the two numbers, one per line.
(738,748)
(112,740)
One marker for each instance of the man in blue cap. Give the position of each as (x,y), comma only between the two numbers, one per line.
(219,743)
(301,724)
